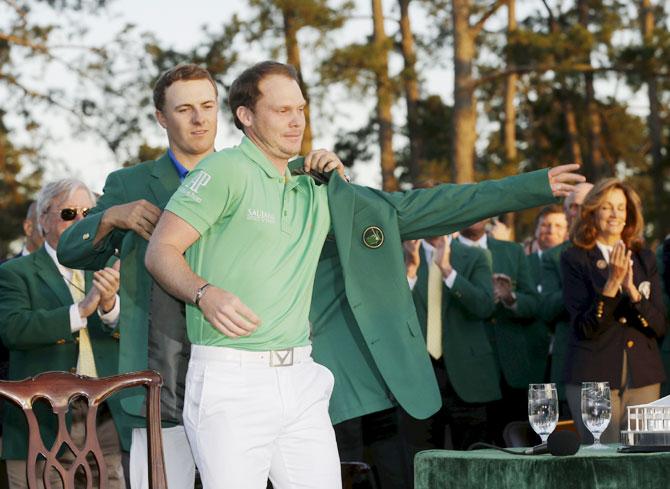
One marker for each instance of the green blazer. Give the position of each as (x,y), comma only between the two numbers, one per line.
(468,356)
(364,324)
(35,326)
(553,311)
(154,181)
(511,328)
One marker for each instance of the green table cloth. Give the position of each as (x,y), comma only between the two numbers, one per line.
(588,469)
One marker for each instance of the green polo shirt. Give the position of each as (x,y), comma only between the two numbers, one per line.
(261,234)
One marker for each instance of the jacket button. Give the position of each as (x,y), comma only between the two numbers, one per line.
(623,320)
(116,335)
(60,342)
(630,344)
(73,370)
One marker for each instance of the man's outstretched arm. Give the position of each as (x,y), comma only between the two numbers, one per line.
(165,261)
(451,207)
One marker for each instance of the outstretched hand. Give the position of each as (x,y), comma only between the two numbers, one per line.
(562,179)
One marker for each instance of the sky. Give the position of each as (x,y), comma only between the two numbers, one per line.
(180,25)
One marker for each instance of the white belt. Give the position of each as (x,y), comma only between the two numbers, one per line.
(271,358)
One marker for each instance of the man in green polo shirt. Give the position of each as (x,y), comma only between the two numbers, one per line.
(255,233)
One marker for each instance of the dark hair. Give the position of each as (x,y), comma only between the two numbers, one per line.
(244,91)
(181,72)
(546,210)
(584,232)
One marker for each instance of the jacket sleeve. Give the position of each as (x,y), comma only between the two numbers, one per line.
(527,297)
(649,312)
(450,207)
(475,293)
(552,292)
(22,326)
(75,248)
(591,313)
(665,275)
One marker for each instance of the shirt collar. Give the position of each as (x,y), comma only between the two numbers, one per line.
(182,171)
(64,271)
(254,153)
(606,250)
(481,242)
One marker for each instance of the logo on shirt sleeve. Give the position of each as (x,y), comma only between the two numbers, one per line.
(193,185)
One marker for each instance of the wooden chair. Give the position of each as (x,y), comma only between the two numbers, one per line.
(357,475)
(59,388)
(520,434)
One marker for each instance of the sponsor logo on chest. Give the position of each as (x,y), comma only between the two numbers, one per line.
(260,215)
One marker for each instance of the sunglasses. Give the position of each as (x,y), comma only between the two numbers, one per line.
(69,213)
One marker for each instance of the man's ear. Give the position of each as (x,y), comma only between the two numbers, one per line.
(244,115)
(161,119)
(27,227)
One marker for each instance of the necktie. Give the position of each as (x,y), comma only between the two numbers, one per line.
(434,321)
(85,362)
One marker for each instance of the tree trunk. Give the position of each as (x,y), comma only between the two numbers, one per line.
(569,117)
(571,131)
(662,221)
(411,88)
(595,163)
(465,116)
(293,58)
(384,99)
(509,130)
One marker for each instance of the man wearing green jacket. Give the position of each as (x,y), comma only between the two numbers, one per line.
(464,362)
(551,229)
(55,318)
(517,302)
(152,323)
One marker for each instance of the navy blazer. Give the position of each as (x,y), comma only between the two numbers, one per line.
(603,327)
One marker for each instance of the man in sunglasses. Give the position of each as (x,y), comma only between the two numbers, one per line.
(152,324)
(57,318)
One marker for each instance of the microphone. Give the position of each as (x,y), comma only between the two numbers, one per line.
(559,443)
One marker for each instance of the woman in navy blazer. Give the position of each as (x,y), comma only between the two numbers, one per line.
(612,291)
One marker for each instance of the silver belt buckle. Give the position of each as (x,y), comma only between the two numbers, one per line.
(281,358)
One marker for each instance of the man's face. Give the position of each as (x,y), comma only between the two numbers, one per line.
(475,231)
(189,116)
(277,122)
(573,202)
(53,224)
(551,230)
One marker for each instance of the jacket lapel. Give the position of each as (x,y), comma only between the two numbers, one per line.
(598,271)
(49,274)
(342,201)
(164,180)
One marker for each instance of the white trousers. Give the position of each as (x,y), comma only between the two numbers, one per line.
(179,463)
(247,421)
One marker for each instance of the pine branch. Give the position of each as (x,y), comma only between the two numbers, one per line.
(477,28)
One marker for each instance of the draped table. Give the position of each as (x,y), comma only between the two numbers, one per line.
(587,469)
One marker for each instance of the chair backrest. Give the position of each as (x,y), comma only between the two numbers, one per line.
(520,434)
(58,389)
(357,475)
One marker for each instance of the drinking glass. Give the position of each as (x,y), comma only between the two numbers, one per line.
(543,409)
(596,409)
